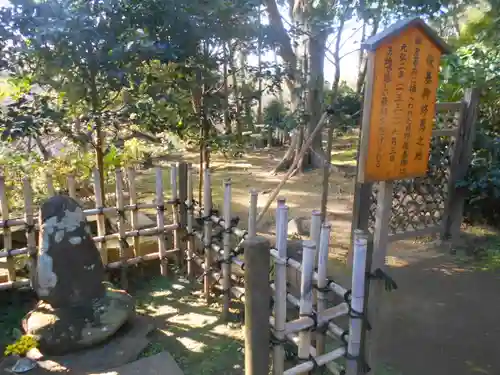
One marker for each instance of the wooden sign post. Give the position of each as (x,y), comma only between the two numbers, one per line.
(398,117)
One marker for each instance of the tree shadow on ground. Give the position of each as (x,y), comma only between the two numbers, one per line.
(189,329)
(443,318)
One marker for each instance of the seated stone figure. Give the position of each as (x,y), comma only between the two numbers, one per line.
(76,308)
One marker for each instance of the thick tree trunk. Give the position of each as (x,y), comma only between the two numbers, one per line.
(301,16)
(227,120)
(315,94)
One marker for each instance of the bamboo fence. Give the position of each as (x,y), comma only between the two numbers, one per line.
(218,262)
(213,252)
(30,223)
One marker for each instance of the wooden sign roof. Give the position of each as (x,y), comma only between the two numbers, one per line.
(371,44)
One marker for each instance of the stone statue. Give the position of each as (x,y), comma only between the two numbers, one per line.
(76,309)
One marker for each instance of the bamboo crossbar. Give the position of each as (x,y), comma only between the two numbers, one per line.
(334,368)
(238,232)
(220,251)
(137,233)
(14,284)
(130,234)
(139,259)
(305,322)
(236,291)
(320,360)
(334,287)
(334,331)
(88,212)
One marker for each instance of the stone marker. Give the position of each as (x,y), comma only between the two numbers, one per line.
(76,309)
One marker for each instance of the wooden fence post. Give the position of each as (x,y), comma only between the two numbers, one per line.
(459,165)
(7,234)
(257,307)
(377,261)
(360,212)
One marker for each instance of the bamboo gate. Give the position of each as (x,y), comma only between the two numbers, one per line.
(196,242)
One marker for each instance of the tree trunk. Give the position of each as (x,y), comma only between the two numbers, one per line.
(236,93)
(247,89)
(227,119)
(363,66)
(315,85)
(302,18)
(260,119)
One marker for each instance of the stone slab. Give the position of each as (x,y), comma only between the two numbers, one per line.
(124,347)
(158,364)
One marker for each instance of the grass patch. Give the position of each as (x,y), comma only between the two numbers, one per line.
(345,157)
(481,248)
(15,305)
(189,330)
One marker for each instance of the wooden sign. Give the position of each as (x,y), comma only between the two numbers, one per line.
(400,99)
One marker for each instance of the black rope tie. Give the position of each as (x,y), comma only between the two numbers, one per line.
(362,364)
(315,363)
(218,236)
(353,314)
(314,318)
(135,207)
(274,341)
(379,274)
(123,241)
(326,288)
(121,214)
(343,337)
(160,208)
(29,228)
(100,210)
(5,224)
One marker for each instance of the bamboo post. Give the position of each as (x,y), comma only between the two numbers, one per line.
(30,226)
(226,265)
(134,217)
(72,186)
(50,185)
(207,235)
(101,220)
(122,241)
(306,296)
(280,202)
(357,302)
(257,308)
(160,221)
(315,236)
(190,218)
(7,234)
(280,289)
(252,213)
(175,213)
(322,280)
(182,172)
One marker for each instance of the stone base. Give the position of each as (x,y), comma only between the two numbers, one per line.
(64,330)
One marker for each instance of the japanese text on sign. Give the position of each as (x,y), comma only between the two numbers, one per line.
(402,107)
